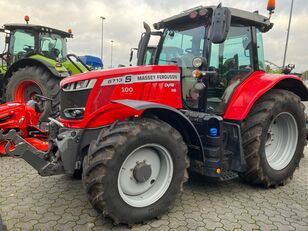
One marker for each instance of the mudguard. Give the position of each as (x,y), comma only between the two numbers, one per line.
(170,115)
(33,62)
(245,96)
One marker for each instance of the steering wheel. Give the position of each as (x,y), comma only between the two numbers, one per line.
(27,48)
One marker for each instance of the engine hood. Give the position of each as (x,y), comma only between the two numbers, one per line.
(119,72)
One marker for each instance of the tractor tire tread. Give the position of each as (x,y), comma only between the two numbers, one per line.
(97,162)
(252,130)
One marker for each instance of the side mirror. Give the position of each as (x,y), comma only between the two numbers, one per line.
(220,26)
(132,54)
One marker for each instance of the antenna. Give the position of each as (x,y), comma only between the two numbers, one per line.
(288,34)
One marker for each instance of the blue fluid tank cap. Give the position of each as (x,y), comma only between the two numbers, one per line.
(213,132)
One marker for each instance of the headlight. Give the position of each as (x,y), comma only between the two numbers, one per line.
(74,113)
(80,85)
(197,62)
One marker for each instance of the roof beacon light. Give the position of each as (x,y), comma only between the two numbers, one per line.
(70,30)
(27,19)
(271,5)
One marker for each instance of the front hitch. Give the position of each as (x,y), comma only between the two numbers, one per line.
(46,163)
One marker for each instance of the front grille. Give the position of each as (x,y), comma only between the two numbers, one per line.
(73,99)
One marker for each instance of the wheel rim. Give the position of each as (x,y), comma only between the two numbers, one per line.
(281,141)
(27,90)
(145,175)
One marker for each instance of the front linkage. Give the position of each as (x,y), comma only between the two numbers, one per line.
(46,163)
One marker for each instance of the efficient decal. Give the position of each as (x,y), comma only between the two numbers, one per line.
(129,79)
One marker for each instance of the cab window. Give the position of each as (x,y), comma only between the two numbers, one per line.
(52,46)
(233,61)
(22,43)
(179,47)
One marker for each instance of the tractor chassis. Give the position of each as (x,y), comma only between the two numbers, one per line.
(219,157)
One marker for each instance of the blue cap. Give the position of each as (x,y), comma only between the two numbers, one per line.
(213,132)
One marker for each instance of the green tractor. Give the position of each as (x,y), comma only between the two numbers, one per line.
(34,61)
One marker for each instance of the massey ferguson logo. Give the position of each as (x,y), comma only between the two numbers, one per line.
(129,79)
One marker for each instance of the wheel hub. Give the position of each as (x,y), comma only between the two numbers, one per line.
(281,142)
(142,172)
(27,90)
(145,175)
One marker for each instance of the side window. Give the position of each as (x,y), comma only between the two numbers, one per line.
(260,50)
(52,45)
(235,52)
(149,55)
(233,61)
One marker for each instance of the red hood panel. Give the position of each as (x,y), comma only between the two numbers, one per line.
(116,72)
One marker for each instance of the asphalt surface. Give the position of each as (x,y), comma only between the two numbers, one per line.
(31,202)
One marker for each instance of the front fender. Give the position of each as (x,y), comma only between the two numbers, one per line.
(33,62)
(254,87)
(169,115)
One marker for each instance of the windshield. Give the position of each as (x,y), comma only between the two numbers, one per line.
(179,47)
(22,44)
(53,46)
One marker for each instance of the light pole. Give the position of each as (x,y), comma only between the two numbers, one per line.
(102,42)
(111,50)
(286,48)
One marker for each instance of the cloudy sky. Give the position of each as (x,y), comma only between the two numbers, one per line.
(124,19)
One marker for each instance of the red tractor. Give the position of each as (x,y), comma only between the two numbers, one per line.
(211,108)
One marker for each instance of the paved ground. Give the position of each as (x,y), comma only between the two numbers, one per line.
(30,202)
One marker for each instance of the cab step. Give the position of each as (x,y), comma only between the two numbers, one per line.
(228,175)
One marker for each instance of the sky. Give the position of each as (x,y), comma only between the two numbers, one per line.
(123,24)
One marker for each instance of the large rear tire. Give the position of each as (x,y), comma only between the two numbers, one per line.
(273,137)
(31,80)
(134,170)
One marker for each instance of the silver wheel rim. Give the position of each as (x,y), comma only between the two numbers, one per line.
(142,194)
(281,143)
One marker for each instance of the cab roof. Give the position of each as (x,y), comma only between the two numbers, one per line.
(37,28)
(237,16)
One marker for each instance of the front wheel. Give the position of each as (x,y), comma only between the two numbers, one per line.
(273,137)
(25,83)
(134,170)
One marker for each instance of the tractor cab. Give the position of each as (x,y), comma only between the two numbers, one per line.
(216,49)
(34,61)
(25,40)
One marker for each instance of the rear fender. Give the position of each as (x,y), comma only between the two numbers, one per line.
(254,87)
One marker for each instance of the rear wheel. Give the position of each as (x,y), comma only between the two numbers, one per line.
(134,170)
(273,138)
(28,81)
